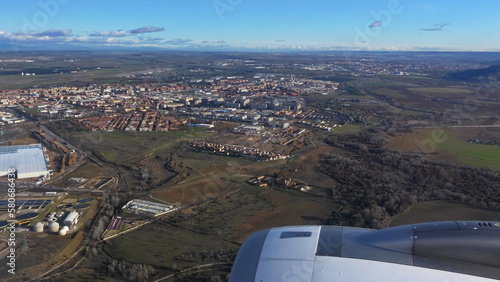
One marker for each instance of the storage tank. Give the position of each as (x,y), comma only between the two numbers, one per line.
(38,227)
(54,227)
(62,232)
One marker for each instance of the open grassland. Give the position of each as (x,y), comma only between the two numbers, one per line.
(159,244)
(131,147)
(41,252)
(209,175)
(193,191)
(405,77)
(449,145)
(288,208)
(88,170)
(42,247)
(378,84)
(436,99)
(392,92)
(201,162)
(237,215)
(25,141)
(440,91)
(346,128)
(442,211)
(304,167)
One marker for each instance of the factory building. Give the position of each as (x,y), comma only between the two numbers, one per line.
(147,207)
(28,161)
(71,219)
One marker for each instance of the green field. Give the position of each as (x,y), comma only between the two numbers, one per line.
(202,161)
(440,90)
(459,150)
(442,211)
(406,76)
(346,128)
(377,84)
(449,145)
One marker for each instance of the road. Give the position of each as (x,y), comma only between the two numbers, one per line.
(47,188)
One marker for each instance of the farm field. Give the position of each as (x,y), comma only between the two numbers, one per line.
(442,211)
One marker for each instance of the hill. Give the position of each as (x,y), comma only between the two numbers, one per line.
(491,73)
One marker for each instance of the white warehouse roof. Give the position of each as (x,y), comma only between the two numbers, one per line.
(70,218)
(28,160)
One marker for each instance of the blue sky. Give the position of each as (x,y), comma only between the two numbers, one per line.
(457,25)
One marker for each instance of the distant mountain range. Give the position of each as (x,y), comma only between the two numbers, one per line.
(491,73)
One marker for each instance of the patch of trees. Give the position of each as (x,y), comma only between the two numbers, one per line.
(110,205)
(65,125)
(491,73)
(127,271)
(219,256)
(142,177)
(372,137)
(381,183)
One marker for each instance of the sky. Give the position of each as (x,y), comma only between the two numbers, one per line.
(246,25)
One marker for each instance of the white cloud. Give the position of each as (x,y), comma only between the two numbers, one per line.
(117,33)
(147,29)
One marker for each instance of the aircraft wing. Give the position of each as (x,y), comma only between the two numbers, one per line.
(436,251)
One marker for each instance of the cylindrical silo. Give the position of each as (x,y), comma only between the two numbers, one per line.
(54,227)
(38,227)
(62,232)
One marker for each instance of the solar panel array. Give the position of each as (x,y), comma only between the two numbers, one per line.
(25,204)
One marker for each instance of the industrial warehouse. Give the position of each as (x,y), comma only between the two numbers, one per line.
(28,160)
(146,207)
